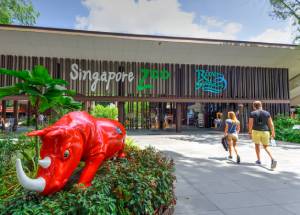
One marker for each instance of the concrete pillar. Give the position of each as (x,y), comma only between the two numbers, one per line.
(121,112)
(16,115)
(178,116)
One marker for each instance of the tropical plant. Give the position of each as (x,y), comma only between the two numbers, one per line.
(284,129)
(11,146)
(130,143)
(17,11)
(100,111)
(43,91)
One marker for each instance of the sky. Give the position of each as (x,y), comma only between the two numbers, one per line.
(247,20)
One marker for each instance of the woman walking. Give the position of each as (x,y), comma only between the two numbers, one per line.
(232,130)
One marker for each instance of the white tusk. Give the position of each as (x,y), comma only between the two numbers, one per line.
(45,163)
(37,185)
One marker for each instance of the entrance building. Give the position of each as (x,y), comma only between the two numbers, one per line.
(156,81)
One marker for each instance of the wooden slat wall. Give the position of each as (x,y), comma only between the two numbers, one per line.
(243,82)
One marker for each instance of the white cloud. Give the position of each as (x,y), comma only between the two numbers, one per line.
(212,21)
(276,35)
(152,17)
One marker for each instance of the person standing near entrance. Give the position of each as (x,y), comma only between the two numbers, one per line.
(232,129)
(260,125)
(2,123)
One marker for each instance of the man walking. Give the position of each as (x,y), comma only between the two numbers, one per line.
(260,125)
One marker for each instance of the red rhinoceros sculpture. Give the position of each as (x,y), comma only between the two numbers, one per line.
(75,137)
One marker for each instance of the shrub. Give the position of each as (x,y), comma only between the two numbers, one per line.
(140,184)
(12,146)
(100,111)
(284,131)
(131,144)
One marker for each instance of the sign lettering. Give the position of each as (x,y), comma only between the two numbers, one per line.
(96,77)
(151,74)
(213,82)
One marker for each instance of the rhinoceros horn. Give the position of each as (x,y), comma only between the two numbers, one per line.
(37,185)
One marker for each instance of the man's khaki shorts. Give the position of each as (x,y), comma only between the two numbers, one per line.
(262,137)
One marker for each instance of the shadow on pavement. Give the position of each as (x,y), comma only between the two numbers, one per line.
(194,168)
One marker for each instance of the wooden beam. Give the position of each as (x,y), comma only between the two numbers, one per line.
(176,99)
(164,99)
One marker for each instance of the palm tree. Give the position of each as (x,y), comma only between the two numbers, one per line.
(43,91)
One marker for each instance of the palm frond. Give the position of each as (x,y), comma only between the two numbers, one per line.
(9,91)
(22,74)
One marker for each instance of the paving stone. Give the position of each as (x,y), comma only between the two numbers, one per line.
(237,200)
(261,210)
(294,207)
(207,183)
(194,205)
(282,196)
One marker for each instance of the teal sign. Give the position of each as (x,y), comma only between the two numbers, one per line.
(213,82)
(151,74)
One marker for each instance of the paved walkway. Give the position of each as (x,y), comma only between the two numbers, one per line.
(209,184)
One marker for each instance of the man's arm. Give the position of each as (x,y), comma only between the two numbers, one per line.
(250,126)
(238,128)
(271,126)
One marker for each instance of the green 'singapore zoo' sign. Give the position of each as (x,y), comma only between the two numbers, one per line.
(151,74)
(213,82)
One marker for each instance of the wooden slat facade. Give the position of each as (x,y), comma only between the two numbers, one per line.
(245,84)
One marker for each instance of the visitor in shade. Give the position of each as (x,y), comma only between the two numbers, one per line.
(260,125)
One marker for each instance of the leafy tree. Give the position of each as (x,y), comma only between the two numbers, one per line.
(285,9)
(17,11)
(43,91)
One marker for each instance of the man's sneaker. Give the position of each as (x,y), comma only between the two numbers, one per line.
(238,159)
(258,162)
(229,157)
(273,164)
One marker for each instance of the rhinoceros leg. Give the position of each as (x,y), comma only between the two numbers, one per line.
(90,169)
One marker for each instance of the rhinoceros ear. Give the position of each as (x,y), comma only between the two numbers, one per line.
(37,133)
(56,132)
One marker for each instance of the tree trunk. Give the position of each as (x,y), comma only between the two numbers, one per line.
(36,113)
(36,145)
